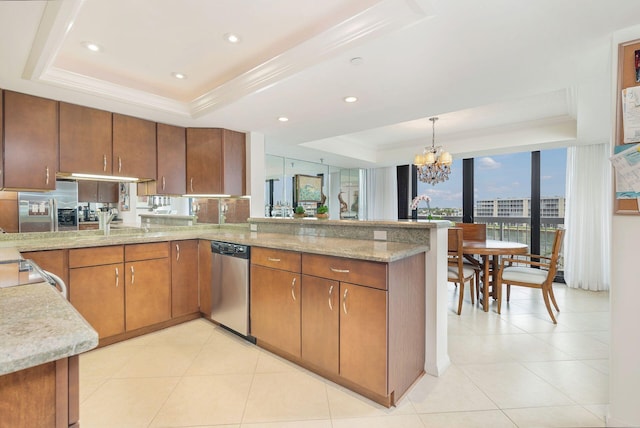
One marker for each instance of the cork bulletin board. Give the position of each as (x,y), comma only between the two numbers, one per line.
(628,77)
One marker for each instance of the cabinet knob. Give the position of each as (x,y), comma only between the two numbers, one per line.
(119,164)
(47,175)
(104,163)
(191,184)
(133,276)
(177,252)
(271,259)
(163,183)
(339,270)
(117,278)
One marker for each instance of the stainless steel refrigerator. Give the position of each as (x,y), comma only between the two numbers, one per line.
(49,211)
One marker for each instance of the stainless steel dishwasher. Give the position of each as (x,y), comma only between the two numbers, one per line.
(230,286)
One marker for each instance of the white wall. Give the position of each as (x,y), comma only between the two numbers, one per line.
(256,173)
(624,373)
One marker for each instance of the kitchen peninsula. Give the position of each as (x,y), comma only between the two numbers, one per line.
(388,244)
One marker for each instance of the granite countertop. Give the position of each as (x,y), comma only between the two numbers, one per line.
(381,251)
(37,325)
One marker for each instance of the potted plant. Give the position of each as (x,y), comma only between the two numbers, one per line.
(299,212)
(322,212)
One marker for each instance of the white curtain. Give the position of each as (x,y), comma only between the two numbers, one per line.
(588,217)
(382,194)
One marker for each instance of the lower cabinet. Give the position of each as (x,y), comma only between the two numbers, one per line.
(45,396)
(96,287)
(184,278)
(119,289)
(321,322)
(275,308)
(54,261)
(359,323)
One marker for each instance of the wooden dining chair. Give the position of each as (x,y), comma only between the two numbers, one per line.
(538,272)
(474,232)
(457,271)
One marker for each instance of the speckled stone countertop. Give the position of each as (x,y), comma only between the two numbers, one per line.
(382,251)
(37,325)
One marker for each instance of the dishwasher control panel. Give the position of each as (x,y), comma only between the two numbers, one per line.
(229,249)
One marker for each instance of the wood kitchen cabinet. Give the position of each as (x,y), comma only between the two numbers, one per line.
(97,287)
(1,139)
(171,157)
(205,264)
(8,209)
(30,142)
(98,191)
(184,278)
(147,284)
(134,147)
(216,161)
(321,322)
(44,396)
(85,140)
(276,299)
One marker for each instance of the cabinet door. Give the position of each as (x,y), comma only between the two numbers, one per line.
(172,154)
(97,292)
(54,261)
(275,308)
(204,276)
(85,140)
(204,159)
(320,322)
(30,142)
(184,277)
(134,147)
(87,191)
(363,336)
(109,191)
(8,209)
(233,168)
(148,292)
(2,140)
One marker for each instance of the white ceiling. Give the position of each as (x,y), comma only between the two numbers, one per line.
(500,74)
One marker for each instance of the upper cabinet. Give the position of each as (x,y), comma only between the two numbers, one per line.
(134,147)
(85,140)
(98,191)
(172,154)
(216,161)
(30,142)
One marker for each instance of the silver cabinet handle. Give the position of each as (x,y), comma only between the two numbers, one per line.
(330,295)
(293,284)
(339,270)
(163,183)
(119,164)
(104,163)
(47,175)
(117,278)
(271,259)
(192,184)
(133,276)
(177,252)
(344,300)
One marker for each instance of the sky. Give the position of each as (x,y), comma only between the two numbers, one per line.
(501,176)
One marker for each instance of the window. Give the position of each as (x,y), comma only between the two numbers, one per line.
(446,197)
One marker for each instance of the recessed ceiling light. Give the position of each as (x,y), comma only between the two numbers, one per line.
(283,119)
(356,61)
(93,47)
(232,38)
(179,75)
(350,99)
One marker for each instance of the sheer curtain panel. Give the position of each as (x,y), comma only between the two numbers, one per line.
(382,194)
(588,218)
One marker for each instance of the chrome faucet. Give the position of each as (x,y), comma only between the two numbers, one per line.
(104,221)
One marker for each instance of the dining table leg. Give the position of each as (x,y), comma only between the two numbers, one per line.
(486,284)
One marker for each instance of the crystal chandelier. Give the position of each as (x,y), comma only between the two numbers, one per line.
(434,164)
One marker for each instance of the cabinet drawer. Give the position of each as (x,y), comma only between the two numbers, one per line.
(277,259)
(95,256)
(362,272)
(158,250)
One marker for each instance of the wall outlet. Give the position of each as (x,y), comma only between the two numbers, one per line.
(380,235)
(253,227)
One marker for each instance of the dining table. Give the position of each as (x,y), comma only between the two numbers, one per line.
(490,251)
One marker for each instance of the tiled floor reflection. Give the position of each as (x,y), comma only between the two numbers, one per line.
(516,369)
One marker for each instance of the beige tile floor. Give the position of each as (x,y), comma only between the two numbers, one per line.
(511,370)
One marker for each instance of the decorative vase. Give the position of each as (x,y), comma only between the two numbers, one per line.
(322,216)
(298,215)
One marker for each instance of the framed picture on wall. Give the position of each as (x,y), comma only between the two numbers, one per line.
(308,188)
